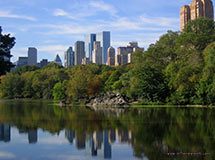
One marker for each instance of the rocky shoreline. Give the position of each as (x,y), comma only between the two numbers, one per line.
(108,100)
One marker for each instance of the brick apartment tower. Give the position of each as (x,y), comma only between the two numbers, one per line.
(197,8)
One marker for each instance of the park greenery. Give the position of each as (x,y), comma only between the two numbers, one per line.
(178,69)
(6,44)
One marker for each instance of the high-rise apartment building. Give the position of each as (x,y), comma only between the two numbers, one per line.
(197,8)
(89,43)
(104,39)
(32,56)
(184,16)
(97,53)
(79,52)
(111,56)
(69,58)
(208,10)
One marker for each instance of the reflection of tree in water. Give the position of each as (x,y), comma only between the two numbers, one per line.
(153,133)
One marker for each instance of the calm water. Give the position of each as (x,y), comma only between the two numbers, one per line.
(38,130)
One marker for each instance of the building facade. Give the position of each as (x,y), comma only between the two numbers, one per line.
(184,16)
(69,58)
(32,56)
(104,39)
(22,61)
(79,52)
(197,9)
(111,56)
(89,43)
(97,53)
(124,54)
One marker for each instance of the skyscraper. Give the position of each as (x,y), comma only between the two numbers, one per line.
(69,58)
(89,43)
(79,52)
(97,53)
(111,56)
(197,8)
(32,56)
(104,39)
(58,60)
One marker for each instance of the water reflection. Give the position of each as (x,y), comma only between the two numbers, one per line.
(5,132)
(153,133)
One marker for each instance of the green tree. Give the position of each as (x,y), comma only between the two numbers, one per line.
(206,89)
(11,86)
(6,44)
(198,34)
(59,91)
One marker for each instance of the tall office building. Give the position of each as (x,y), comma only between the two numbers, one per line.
(197,8)
(57,60)
(111,56)
(32,56)
(104,39)
(97,53)
(69,58)
(79,52)
(89,43)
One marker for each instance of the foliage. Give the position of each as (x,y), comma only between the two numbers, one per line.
(59,91)
(6,44)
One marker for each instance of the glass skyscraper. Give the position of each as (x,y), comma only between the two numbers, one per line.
(89,42)
(69,58)
(104,38)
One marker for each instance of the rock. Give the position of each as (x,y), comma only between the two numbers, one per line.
(109,99)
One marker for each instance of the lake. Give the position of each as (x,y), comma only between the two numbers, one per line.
(34,130)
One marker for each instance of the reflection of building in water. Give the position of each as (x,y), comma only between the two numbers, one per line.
(69,135)
(5,132)
(112,135)
(80,140)
(32,136)
(124,136)
(107,146)
(98,139)
(93,148)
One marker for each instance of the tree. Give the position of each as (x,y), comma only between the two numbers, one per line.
(198,34)
(147,82)
(6,44)
(59,91)
(206,89)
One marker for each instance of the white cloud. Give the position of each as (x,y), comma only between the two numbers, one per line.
(9,14)
(102,6)
(160,21)
(60,12)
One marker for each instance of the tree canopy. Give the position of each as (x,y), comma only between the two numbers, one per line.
(6,44)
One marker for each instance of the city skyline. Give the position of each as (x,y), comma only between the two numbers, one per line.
(52,28)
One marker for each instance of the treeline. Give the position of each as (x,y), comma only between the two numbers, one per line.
(178,69)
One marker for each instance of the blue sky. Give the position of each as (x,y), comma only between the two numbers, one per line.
(53,25)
